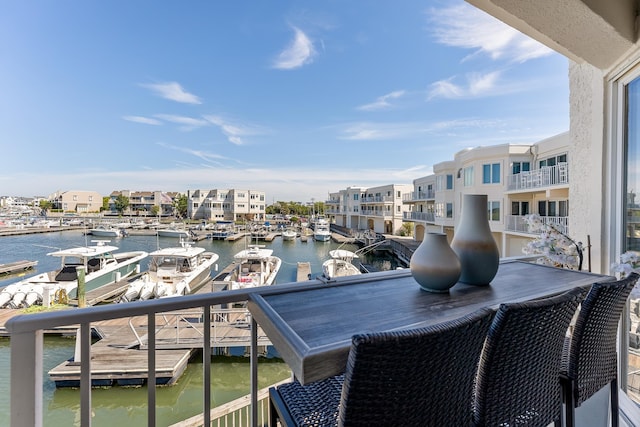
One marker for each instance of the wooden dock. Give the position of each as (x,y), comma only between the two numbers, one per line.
(304,272)
(17,267)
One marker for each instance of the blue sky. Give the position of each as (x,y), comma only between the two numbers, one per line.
(294,98)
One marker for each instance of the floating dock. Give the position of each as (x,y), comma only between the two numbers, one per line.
(17,267)
(304,272)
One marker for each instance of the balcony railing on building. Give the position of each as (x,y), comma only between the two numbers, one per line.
(377,199)
(546,176)
(419,216)
(418,196)
(518,224)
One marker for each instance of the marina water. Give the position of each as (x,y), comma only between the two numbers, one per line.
(128,406)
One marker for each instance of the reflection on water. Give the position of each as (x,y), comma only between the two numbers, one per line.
(127,406)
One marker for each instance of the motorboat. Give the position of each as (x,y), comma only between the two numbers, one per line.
(106,230)
(222,229)
(321,230)
(173,271)
(174,230)
(102,266)
(254,266)
(289,234)
(340,264)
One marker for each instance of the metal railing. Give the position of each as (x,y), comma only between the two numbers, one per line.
(544,177)
(27,334)
(517,223)
(419,216)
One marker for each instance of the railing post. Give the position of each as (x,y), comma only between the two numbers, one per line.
(254,372)
(26,379)
(85,374)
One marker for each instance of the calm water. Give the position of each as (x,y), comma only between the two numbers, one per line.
(127,406)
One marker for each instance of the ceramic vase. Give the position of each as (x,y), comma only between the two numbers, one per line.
(473,242)
(434,265)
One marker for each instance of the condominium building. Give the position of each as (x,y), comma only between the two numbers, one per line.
(76,201)
(226,204)
(374,208)
(518,179)
(142,202)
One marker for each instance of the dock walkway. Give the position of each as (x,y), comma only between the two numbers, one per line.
(17,267)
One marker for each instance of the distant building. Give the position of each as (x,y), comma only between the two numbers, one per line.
(226,204)
(142,202)
(76,201)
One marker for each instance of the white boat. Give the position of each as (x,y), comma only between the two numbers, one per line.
(340,264)
(174,230)
(289,234)
(321,230)
(172,272)
(105,230)
(102,266)
(255,266)
(222,229)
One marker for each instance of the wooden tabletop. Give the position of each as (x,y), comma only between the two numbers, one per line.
(312,329)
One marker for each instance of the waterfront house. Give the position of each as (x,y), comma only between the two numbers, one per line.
(142,202)
(76,201)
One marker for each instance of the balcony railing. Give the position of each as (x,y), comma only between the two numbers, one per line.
(419,216)
(27,333)
(518,224)
(546,176)
(418,196)
(377,199)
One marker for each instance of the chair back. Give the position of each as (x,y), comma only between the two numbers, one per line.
(420,377)
(518,379)
(592,360)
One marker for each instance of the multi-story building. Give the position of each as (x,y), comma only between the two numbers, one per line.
(226,204)
(518,179)
(142,202)
(76,201)
(375,208)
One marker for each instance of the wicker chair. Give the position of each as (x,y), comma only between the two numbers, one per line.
(419,377)
(518,379)
(590,359)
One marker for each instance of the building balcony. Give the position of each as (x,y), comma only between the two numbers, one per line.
(547,176)
(419,216)
(377,199)
(516,223)
(27,349)
(418,196)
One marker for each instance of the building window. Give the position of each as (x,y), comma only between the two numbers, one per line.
(517,167)
(491,173)
(494,210)
(356,196)
(449,182)
(468,176)
(449,210)
(520,208)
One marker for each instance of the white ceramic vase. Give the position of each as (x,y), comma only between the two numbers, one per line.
(434,265)
(473,242)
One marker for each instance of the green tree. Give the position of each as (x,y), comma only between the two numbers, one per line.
(45,205)
(155,210)
(105,203)
(121,203)
(180,206)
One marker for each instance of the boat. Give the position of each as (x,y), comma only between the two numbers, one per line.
(321,230)
(173,271)
(254,266)
(289,234)
(102,266)
(340,264)
(222,229)
(174,230)
(106,230)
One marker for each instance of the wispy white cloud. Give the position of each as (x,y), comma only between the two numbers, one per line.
(188,123)
(233,131)
(143,120)
(172,91)
(204,155)
(382,103)
(475,85)
(468,27)
(396,131)
(300,52)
